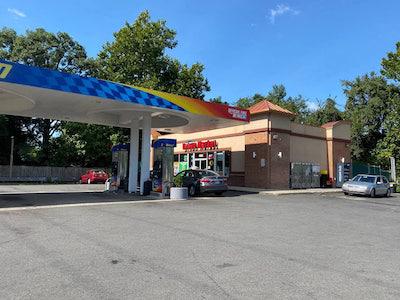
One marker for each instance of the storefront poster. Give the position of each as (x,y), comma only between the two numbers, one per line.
(183,166)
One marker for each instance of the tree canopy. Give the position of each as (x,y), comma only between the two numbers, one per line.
(278,95)
(371,105)
(326,112)
(137,57)
(391,64)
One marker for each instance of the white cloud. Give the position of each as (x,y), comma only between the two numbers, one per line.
(16,12)
(280,10)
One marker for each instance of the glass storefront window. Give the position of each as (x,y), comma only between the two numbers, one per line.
(190,160)
(219,166)
(210,161)
(183,162)
(200,155)
(218,161)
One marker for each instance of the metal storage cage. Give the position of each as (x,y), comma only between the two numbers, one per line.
(304,175)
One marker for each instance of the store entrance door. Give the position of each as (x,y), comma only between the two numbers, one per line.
(201,163)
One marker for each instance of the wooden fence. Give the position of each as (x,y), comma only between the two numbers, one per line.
(41,174)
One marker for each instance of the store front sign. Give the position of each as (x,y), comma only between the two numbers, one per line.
(201,145)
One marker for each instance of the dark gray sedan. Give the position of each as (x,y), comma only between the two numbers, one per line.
(370,185)
(203,181)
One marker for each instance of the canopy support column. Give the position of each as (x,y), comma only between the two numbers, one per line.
(134,156)
(146,144)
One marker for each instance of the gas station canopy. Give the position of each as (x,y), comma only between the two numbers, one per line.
(39,92)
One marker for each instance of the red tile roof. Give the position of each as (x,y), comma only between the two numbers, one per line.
(267,106)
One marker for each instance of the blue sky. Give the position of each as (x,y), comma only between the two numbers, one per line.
(245,45)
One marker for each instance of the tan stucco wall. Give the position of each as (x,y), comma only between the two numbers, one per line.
(342,131)
(257,124)
(280,121)
(309,150)
(307,130)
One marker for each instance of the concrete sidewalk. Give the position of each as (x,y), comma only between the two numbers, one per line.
(285,192)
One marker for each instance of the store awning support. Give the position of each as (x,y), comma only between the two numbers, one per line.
(134,156)
(146,143)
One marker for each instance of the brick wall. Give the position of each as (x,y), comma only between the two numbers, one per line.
(340,149)
(280,166)
(236,179)
(256,175)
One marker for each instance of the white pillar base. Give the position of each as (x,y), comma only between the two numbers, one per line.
(146,140)
(134,156)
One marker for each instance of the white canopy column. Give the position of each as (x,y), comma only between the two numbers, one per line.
(134,156)
(146,140)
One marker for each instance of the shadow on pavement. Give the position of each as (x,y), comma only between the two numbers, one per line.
(42,199)
(61,198)
(226,194)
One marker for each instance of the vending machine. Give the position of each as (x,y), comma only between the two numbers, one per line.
(163,165)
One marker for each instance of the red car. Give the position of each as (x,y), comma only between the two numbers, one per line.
(94,176)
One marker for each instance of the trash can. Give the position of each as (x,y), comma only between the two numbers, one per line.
(147,187)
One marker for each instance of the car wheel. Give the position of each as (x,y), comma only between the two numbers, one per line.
(88,181)
(372,194)
(388,192)
(192,191)
(346,193)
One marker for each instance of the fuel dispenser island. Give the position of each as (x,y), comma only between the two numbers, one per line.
(119,167)
(163,165)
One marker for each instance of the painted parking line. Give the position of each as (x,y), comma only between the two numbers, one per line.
(6,209)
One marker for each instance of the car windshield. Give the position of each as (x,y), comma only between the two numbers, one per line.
(370,179)
(207,173)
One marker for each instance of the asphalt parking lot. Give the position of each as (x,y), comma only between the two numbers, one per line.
(239,246)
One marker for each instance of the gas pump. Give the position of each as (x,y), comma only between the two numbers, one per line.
(163,165)
(119,167)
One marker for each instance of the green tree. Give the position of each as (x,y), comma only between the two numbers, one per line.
(218,100)
(297,105)
(86,144)
(246,102)
(391,64)
(327,112)
(137,57)
(14,126)
(277,94)
(370,99)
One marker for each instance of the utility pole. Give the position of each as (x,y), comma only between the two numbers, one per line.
(11,156)
(393,168)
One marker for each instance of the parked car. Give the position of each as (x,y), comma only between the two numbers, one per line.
(370,185)
(203,181)
(94,176)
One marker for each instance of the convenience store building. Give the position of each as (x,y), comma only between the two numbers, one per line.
(271,151)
